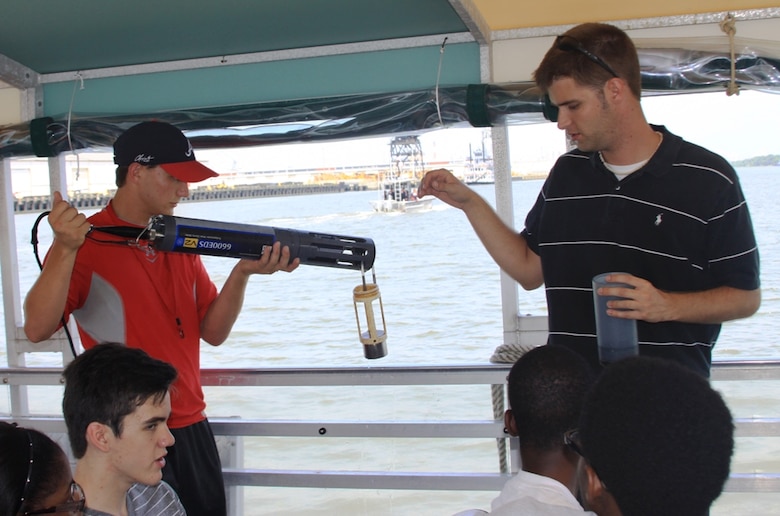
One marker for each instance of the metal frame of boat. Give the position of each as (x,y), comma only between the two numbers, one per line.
(231,431)
(116,63)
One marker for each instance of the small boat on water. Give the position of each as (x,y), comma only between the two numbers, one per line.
(398,187)
(482,175)
(400,195)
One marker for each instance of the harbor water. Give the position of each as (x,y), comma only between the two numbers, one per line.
(441,298)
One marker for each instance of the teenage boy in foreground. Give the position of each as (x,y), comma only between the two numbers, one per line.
(116,405)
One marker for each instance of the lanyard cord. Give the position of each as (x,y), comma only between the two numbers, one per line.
(34,242)
(134,237)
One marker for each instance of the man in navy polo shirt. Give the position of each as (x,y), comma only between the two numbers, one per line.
(632,197)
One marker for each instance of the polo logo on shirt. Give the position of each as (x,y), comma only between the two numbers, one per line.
(658,219)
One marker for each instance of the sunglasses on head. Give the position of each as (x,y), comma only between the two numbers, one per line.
(571,44)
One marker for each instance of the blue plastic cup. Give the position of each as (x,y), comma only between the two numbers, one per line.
(617,338)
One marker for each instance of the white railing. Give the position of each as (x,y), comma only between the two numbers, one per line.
(234,429)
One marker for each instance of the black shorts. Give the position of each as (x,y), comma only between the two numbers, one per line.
(194,470)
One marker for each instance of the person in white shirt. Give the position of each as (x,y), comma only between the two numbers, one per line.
(546,387)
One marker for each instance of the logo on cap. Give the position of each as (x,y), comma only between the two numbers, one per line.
(145,158)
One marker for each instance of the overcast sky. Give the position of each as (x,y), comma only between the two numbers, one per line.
(737,127)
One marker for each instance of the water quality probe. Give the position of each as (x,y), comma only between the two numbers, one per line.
(205,237)
(182,235)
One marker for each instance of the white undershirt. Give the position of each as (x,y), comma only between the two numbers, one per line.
(623,171)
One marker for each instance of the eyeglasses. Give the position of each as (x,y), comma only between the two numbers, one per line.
(74,506)
(571,44)
(571,439)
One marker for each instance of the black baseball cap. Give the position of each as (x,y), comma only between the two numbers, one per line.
(159,143)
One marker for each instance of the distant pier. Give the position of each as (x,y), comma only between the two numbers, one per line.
(84,201)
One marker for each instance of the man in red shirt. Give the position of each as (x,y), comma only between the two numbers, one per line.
(163,303)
